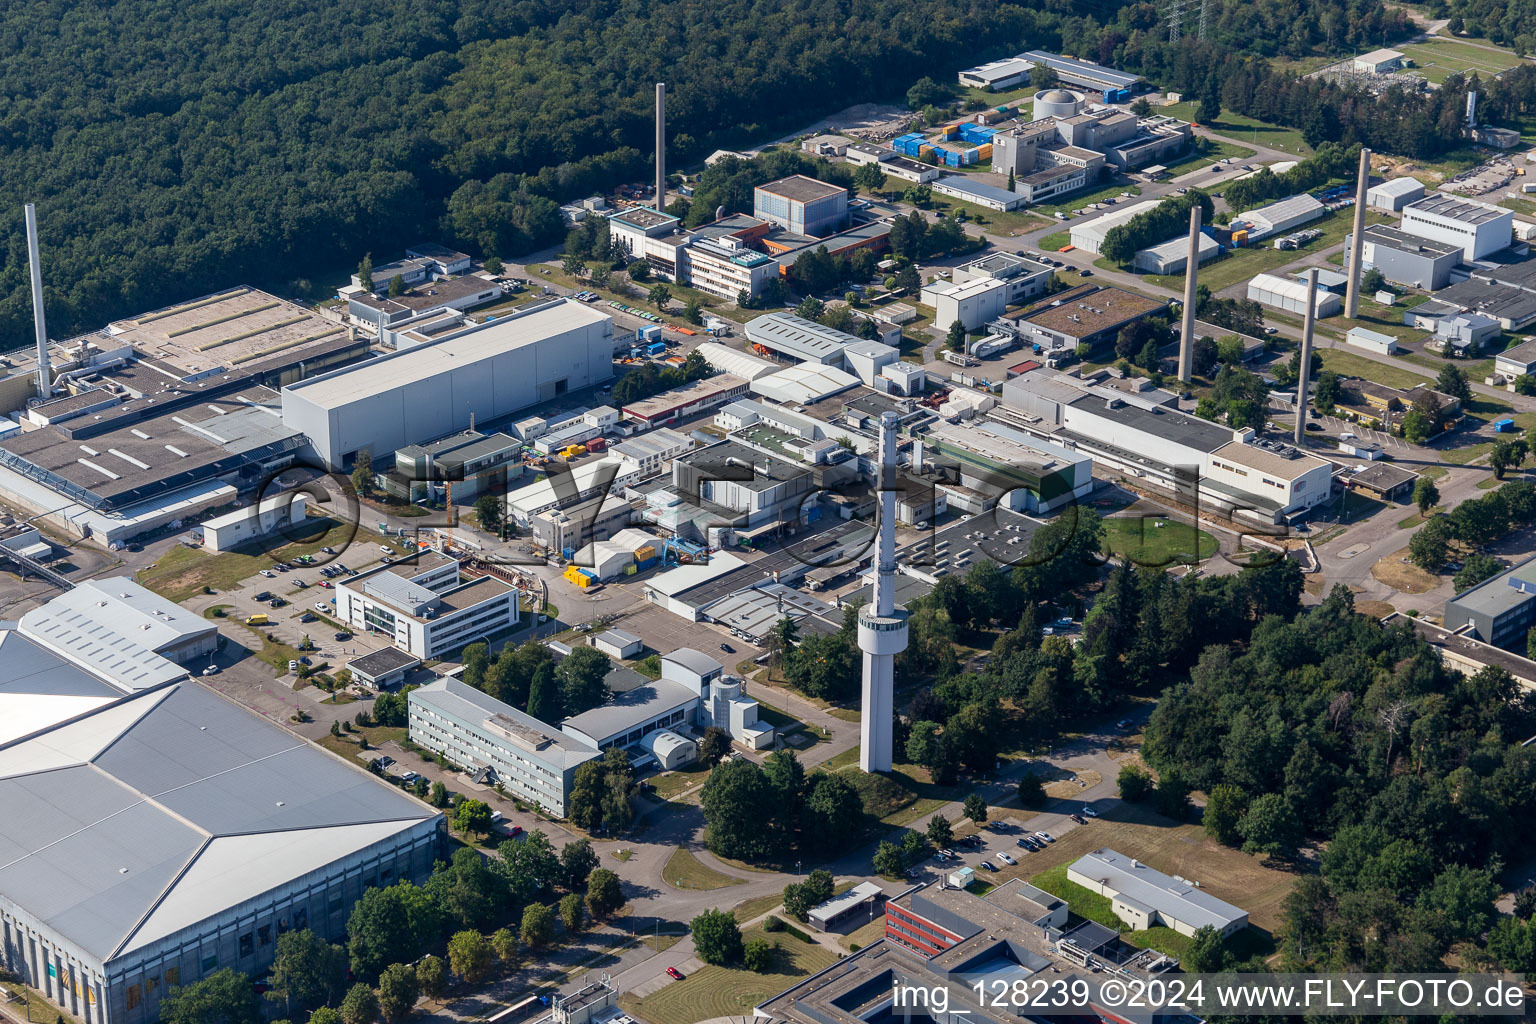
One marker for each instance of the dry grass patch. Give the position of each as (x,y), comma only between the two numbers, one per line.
(1402,575)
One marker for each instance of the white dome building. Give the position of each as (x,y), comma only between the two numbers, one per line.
(1058,103)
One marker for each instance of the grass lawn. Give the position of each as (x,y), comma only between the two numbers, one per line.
(1055,240)
(1244,129)
(864,935)
(1438,59)
(684,871)
(1078,200)
(346,744)
(670,784)
(1013,222)
(996,99)
(1213,151)
(681,294)
(184,571)
(1157,540)
(712,992)
(1352,365)
(1240,265)
(756,907)
(1085,903)
(35,1005)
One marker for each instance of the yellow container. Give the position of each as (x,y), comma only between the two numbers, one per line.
(645,553)
(924,150)
(1240,236)
(984,151)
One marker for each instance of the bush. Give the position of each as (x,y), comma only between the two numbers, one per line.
(773,924)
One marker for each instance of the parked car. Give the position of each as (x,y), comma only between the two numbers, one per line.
(327,585)
(385,761)
(728,649)
(343,635)
(265,595)
(269,574)
(1124,723)
(211,670)
(674,973)
(1022,843)
(1079,819)
(1005,858)
(1271,330)
(1085,273)
(1045,836)
(989,865)
(1090,811)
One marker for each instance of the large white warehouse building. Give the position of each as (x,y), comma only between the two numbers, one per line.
(1479,229)
(432,390)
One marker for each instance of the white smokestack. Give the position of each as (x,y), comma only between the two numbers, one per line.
(1357,242)
(1471,110)
(1304,371)
(1191,269)
(39,322)
(661,147)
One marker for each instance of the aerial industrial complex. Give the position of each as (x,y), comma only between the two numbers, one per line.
(472,554)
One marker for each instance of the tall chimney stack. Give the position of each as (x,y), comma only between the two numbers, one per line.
(1304,372)
(1191,269)
(39,322)
(1357,240)
(661,147)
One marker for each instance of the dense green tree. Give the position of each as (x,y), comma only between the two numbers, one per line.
(572,912)
(714,745)
(391,925)
(1206,953)
(888,860)
(1134,782)
(472,817)
(359,1005)
(1425,494)
(223,997)
(398,991)
(577,862)
(975,808)
(581,674)
(432,976)
(306,971)
(538,925)
(833,813)
(940,832)
(604,893)
(1224,807)
(757,953)
(716,937)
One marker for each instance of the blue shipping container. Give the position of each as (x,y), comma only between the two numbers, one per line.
(1503,426)
(656,348)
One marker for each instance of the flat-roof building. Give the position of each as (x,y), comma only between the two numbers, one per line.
(1280,216)
(978,192)
(423,604)
(1022,473)
(1083,73)
(802,205)
(172,833)
(1291,296)
(997,74)
(1024,278)
(1089,236)
(108,624)
(688,400)
(230,530)
(1378,62)
(1499,611)
(972,302)
(526,357)
(534,760)
(1479,229)
(383,669)
(1089,315)
(1145,897)
(1172,257)
(1405,259)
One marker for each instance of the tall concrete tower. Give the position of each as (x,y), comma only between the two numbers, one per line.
(1191,269)
(1304,371)
(882,628)
(39,322)
(1357,241)
(661,147)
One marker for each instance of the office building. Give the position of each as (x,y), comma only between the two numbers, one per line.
(1479,229)
(1144,897)
(1519,359)
(651,452)
(1405,259)
(1394,194)
(172,833)
(1024,279)
(1049,182)
(1499,611)
(802,205)
(528,356)
(468,463)
(425,605)
(725,268)
(496,742)
(722,702)
(650,235)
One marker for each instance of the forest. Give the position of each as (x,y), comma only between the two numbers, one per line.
(175,149)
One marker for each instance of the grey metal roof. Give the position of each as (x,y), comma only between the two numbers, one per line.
(109,814)
(1509,589)
(382,662)
(1438,204)
(694,661)
(457,699)
(627,711)
(30,668)
(1167,895)
(620,638)
(797,336)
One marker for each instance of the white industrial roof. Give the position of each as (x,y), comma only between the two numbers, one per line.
(1097,229)
(1394,187)
(542,492)
(171,807)
(1285,287)
(275,502)
(804,383)
(40,688)
(846,902)
(1163,893)
(1378,57)
(1179,246)
(735,362)
(1366,334)
(629,710)
(685,577)
(694,661)
(797,336)
(420,362)
(1283,210)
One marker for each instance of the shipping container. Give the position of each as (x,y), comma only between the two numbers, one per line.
(597,444)
(984,152)
(1240,236)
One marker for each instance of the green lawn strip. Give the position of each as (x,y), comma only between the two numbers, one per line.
(1438,59)
(1082,902)
(1144,542)
(685,871)
(1352,365)
(1080,200)
(1244,129)
(1241,265)
(1054,241)
(712,992)
(1213,151)
(184,571)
